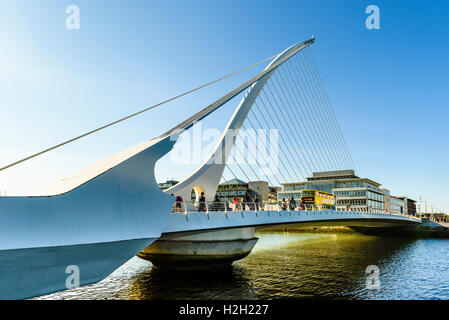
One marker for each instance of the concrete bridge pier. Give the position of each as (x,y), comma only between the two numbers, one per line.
(200,250)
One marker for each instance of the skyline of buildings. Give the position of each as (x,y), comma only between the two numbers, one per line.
(350,191)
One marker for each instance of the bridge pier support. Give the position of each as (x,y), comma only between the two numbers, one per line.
(203,250)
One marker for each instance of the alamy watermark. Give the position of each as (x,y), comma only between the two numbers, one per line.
(73,280)
(72,21)
(373,20)
(256,147)
(373,280)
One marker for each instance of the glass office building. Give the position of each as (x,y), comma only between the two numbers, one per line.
(397,205)
(350,190)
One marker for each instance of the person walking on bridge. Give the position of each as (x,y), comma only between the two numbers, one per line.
(284,204)
(178,204)
(292,204)
(202,203)
(257,203)
(217,205)
(236,201)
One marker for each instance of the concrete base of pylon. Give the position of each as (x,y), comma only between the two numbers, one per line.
(211,250)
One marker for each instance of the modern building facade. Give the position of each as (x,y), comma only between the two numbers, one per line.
(409,205)
(350,190)
(387,199)
(397,205)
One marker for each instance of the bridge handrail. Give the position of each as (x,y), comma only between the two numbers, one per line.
(186,207)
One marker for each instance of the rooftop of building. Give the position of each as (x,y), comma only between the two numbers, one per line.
(377,184)
(332,174)
(408,199)
(233,181)
(171,181)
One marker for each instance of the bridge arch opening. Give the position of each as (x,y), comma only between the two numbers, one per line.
(197,191)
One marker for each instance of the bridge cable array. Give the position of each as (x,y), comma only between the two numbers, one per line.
(294,104)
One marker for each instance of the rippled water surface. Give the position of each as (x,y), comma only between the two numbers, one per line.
(293,265)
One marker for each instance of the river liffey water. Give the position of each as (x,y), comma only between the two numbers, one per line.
(293,265)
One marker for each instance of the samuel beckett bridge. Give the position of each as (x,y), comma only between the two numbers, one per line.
(283,127)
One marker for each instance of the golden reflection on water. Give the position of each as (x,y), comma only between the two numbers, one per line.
(293,265)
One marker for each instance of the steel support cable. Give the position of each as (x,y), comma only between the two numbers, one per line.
(312,117)
(305,108)
(243,156)
(282,78)
(286,121)
(285,131)
(262,170)
(331,110)
(337,124)
(237,179)
(133,115)
(296,114)
(223,178)
(232,172)
(271,144)
(244,173)
(328,113)
(289,127)
(330,137)
(282,135)
(316,155)
(296,118)
(321,120)
(260,167)
(283,100)
(311,121)
(280,145)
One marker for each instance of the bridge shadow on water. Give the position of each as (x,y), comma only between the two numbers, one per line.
(155,283)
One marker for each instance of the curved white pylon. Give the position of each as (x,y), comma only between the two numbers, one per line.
(207,177)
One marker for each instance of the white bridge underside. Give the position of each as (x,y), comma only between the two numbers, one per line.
(43,269)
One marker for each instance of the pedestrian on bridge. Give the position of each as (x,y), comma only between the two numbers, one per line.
(257,203)
(284,204)
(202,203)
(178,203)
(292,204)
(236,201)
(217,205)
(242,203)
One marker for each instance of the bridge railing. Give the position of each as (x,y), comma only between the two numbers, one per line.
(186,207)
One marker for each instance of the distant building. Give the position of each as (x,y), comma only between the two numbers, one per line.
(273,194)
(402,205)
(350,190)
(387,199)
(167,184)
(260,187)
(409,205)
(397,205)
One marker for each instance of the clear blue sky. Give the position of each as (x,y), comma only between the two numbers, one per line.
(389,87)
